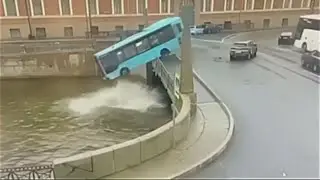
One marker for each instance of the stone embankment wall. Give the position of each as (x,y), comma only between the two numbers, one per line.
(27,59)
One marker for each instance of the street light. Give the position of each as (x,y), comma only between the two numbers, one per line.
(312,2)
(30,36)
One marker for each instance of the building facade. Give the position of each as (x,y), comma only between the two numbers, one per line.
(69,18)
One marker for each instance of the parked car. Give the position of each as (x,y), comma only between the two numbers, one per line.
(196,30)
(211,28)
(286,38)
(243,49)
(311,61)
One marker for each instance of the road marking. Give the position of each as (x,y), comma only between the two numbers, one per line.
(206,103)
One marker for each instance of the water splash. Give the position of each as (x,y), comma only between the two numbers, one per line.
(125,95)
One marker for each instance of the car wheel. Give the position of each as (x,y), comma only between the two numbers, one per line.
(124,71)
(304,47)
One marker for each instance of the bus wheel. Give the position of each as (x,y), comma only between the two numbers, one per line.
(304,47)
(164,53)
(124,71)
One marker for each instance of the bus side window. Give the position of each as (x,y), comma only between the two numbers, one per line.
(154,41)
(120,56)
(129,51)
(142,46)
(179,27)
(166,34)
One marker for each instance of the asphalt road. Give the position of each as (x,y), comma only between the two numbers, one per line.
(275,104)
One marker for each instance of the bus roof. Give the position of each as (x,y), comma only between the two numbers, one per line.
(153,27)
(311,16)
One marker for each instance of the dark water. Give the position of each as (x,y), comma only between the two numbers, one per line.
(43,119)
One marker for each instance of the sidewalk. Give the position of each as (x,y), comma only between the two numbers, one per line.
(205,141)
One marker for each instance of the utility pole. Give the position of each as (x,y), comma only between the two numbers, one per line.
(90,20)
(30,36)
(312,2)
(239,17)
(186,69)
(86,16)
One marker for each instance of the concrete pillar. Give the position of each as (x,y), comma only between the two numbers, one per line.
(186,71)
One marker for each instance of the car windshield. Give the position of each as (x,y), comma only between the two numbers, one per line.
(240,44)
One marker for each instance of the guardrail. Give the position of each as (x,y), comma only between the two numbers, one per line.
(32,173)
(166,77)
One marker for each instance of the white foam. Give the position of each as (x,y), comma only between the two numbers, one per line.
(125,95)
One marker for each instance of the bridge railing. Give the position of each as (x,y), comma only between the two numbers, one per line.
(30,173)
(166,77)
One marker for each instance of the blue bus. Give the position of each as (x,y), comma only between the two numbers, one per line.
(153,42)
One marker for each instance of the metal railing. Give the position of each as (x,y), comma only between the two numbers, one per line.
(166,77)
(30,173)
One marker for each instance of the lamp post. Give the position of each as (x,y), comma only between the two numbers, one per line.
(312,2)
(28,18)
(90,20)
(87,20)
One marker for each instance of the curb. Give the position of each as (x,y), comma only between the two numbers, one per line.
(215,154)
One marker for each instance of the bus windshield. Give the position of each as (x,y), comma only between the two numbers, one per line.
(155,41)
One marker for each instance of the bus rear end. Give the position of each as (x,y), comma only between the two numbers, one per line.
(307,32)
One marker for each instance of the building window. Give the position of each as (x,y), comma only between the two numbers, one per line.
(285,22)
(140,27)
(142,46)
(164,6)
(93,6)
(249,5)
(41,33)
(228,5)
(119,28)
(11,8)
(65,7)
(68,31)
(15,33)
(141,6)
(201,5)
(94,30)
(208,5)
(37,7)
(247,24)
(258,4)
(117,5)
(266,23)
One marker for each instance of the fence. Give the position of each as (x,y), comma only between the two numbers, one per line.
(32,173)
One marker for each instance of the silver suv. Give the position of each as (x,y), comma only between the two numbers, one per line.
(243,49)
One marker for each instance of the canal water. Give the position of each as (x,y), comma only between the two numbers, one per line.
(43,119)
